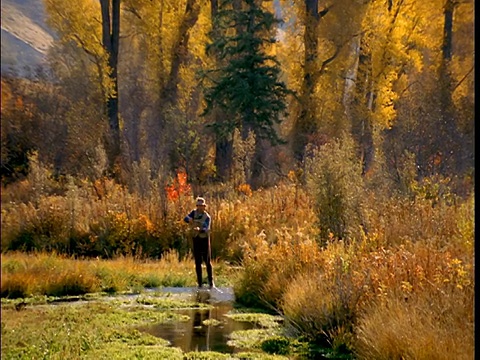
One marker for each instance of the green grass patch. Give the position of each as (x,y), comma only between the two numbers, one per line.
(108,328)
(260,319)
(251,339)
(81,330)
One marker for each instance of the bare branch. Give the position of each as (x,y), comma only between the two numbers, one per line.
(463,79)
(132,10)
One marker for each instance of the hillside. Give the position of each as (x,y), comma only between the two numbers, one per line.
(25,36)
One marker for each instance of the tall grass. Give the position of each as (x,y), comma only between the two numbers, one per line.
(26,275)
(105,219)
(429,326)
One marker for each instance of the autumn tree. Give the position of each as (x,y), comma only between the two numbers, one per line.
(323,75)
(380,61)
(429,69)
(33,121)
(159,97)
(451,154)
(388,57)
(17,132)
(94,29)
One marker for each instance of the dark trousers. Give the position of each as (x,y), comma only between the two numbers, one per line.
(202,253)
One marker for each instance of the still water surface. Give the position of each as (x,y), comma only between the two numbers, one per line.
(207,329)
(195,335)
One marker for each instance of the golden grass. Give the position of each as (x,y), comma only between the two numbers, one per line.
(397,220)
(418,328)
(25,275)
(325,294)
(120,222)
(270,267)
(414,301)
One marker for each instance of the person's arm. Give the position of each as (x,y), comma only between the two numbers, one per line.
(206,225)
(189,217)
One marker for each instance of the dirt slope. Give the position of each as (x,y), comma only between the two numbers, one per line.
(24,35)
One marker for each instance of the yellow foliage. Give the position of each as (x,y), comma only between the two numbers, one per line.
(385,112)
(78,22)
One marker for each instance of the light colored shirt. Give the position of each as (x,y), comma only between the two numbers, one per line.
(200,220)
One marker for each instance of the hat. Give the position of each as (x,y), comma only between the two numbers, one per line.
(201,201)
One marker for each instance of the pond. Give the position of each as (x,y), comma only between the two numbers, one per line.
(206,329)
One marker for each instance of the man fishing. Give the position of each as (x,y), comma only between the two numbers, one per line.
(200,221)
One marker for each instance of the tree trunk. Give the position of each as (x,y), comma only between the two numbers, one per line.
(223,142)
(350,80)
(450,141)
(361,126)
(169,92)
(223,157)
(306,123)
(364,99)
(110,37)
(180,52)
(448,30)
(259,163)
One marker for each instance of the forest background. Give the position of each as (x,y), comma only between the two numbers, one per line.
(334,148)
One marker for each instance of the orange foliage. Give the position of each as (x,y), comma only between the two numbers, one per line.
(11,101)
(245,189)
(6,96)
(180,186)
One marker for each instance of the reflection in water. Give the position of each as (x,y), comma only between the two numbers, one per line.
(195,335)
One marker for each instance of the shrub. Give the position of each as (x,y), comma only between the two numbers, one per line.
(322,305)
(334,178)
(270,267)
(16,286)
(276,345)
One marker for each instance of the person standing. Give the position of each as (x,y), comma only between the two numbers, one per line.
(200,220)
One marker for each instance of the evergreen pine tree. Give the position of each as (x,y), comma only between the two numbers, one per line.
(246,84)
